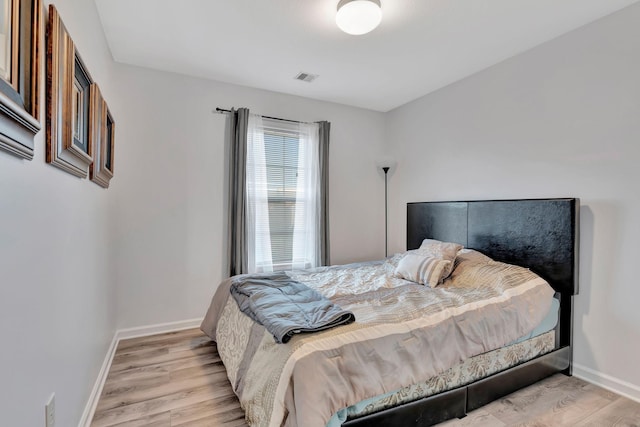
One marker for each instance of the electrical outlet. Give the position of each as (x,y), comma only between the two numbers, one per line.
(50,412)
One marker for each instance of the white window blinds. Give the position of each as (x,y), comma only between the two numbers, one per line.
(282,195)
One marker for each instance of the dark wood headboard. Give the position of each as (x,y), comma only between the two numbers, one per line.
(540,234)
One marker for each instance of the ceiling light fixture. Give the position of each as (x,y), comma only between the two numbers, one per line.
(358,17)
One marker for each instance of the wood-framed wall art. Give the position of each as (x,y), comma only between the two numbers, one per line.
(20,64)
(68,101)
(101,139)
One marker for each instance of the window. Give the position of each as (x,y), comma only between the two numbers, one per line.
(281,157)
(282,195)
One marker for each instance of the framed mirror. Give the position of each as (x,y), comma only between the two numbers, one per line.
(9,14)
(68,102)
(20,34)
(102,139)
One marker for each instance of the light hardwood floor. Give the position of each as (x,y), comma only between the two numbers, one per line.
(177,379)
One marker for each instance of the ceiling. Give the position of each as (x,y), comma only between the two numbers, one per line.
(420,46)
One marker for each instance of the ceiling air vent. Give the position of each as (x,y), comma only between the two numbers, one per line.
(306,77)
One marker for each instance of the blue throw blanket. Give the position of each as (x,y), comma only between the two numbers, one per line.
(286,307)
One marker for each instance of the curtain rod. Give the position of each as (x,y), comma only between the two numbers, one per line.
(224,110)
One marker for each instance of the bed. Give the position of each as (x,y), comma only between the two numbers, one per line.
(540,235)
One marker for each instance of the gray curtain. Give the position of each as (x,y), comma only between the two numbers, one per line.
(323,241)
(238,257)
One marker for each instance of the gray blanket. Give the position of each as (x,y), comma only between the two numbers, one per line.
(286,307)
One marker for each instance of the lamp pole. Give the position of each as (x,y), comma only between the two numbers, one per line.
(386,170)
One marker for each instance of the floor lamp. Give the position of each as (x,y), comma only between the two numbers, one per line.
(386,164)
(386,234)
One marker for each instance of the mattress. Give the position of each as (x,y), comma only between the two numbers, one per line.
(540,341)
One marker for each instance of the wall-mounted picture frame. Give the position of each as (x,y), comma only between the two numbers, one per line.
(102,139)
(20,64)
(9,41)
(68,101)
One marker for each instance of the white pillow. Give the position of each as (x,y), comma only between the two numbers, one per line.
(422,269)
(443,250)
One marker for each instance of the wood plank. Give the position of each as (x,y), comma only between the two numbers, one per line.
(164,367)
(479,417)
(207,423)
(162,419)
(175,343)
(134,394)
(142,378)
(222,411)
(622,412)
(156,356)
(120,387)
(109,417)
(556,401)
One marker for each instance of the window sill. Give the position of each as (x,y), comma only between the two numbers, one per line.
(282,267)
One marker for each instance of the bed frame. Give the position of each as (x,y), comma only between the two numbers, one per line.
(540,234)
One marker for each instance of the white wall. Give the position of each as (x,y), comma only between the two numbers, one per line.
(560,120)
(170,187)
(57,299)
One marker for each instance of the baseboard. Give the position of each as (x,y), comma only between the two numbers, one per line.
(123,334)
(608,382)
(90,408)
(161,328)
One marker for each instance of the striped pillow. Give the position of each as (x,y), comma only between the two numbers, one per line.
(442,250)
(424,270)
